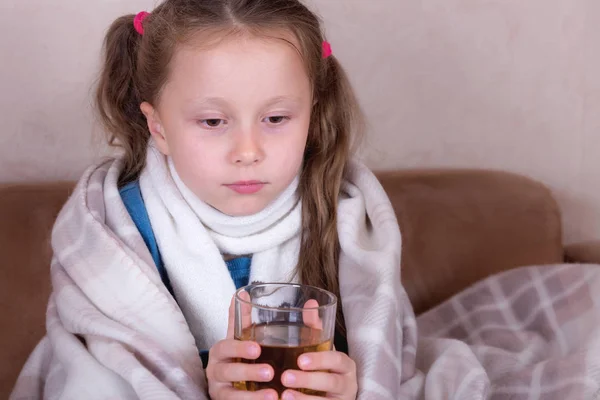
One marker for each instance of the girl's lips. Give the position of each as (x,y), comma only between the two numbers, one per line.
(246,187)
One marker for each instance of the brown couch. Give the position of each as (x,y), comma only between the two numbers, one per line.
(458,226)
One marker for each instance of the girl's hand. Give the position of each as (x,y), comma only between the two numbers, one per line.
(340,382)
(222,369)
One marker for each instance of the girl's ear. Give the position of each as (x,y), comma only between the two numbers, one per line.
(155,127)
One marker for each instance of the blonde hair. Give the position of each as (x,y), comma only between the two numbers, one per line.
(136,68)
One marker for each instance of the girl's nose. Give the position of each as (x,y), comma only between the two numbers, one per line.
(247,149)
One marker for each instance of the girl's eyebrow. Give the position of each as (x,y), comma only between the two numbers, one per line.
(222,102)
(208,101)
(282,99)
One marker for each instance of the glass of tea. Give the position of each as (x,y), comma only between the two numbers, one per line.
(286,320)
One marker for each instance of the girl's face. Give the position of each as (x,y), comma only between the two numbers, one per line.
(234,118)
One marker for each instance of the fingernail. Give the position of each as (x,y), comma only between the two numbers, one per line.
(254,351)
(265,373)
(290,378)
(270,396)
(287,396)
(303,361)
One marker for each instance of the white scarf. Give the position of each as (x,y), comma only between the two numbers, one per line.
(192,237)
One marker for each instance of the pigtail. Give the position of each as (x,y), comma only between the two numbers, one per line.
(336,120)
(117,96)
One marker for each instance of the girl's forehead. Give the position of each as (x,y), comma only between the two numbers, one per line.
(255,64)
(236,53)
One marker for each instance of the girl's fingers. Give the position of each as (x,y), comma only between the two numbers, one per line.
(241,372)
(245,313)
(228,349)
(310,315)
(229,393)
(321,381)
(293,395)
(246,309)
(333,361)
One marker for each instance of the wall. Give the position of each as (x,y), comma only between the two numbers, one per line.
(506,84)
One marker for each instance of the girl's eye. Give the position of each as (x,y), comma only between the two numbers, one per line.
(276,120)
(213,122)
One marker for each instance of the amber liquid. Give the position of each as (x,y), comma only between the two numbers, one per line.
(281,345)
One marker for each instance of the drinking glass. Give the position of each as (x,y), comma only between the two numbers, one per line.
(286,320)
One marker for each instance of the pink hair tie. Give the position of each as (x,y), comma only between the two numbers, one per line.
(137,21)
(326,49)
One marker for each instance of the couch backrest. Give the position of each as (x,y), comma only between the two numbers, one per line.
(459,226)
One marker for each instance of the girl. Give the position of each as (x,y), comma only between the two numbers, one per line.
(236,124)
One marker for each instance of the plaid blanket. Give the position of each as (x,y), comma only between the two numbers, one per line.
(529,333)
(115,332)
